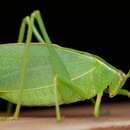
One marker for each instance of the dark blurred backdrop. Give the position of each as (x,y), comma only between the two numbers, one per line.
(99,28)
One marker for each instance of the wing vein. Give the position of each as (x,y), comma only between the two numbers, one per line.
(50,85)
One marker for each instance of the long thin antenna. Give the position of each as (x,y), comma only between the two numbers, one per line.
(128,74)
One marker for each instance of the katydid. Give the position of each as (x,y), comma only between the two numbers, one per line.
(45,74)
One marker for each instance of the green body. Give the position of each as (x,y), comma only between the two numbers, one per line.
(49,75)
(89,72)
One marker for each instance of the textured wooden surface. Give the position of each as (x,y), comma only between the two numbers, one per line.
(115,116)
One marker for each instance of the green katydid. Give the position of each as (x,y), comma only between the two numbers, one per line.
(46,74)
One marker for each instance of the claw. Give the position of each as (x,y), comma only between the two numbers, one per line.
(11,118)
(129,95)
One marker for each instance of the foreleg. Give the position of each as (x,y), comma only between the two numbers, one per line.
(124,92)
(97,104)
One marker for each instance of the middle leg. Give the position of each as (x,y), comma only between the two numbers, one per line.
(58,114)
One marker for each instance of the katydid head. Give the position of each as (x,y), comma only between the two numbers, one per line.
(118,82)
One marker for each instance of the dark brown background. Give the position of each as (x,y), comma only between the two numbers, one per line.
(99,28)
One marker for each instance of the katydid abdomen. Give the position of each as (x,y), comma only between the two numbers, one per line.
(88,72)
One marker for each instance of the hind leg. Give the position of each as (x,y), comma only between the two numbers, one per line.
(37,16)
(24,66)
(23,70)
(9,109)
(20,40)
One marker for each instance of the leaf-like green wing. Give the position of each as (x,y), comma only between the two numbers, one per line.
(39,77)
(57,64)
(39,72)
